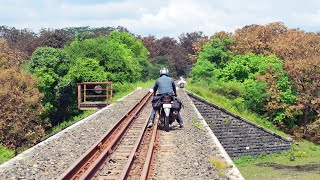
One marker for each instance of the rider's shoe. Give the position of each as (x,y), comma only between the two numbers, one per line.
(181,125)
(150,125)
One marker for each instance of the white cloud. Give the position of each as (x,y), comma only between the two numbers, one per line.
(160,17)
(308,18)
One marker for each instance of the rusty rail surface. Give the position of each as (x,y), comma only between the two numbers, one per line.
(146,171)
(91,162)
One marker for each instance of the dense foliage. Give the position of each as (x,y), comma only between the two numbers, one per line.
(119,58)
(272,70)
(60,59)
(20,124)
(243,77)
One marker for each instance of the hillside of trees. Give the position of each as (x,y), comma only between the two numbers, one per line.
(270,70)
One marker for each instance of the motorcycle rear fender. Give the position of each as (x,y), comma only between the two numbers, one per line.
(166,108)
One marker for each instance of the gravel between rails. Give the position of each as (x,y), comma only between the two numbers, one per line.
(48,159)
(184,153)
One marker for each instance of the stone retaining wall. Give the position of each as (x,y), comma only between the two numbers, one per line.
(238,136)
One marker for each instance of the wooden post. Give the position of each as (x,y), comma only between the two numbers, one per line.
(107,93)
(111,92)
(79,95)
(85,93)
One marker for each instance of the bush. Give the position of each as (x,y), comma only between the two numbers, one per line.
(20,103)
(230,90)
(5,154)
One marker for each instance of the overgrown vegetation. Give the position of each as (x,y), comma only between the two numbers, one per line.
(119,58)
(196,123)
(301,162)
(20,104)
(220,164)
(70,121)
(244,70)
(5,154)
(42,91)
(122,90)
(269,75)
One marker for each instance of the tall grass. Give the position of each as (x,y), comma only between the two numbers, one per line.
(70,121)
(5,154)
(301,155)
(299,150)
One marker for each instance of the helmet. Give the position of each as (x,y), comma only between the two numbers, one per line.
(164,71)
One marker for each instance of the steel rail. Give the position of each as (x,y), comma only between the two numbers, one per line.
(88,164)
(147,164)
(129,163)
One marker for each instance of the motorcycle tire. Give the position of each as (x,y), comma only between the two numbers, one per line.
(166,123)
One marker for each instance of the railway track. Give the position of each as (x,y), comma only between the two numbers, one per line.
(125,152)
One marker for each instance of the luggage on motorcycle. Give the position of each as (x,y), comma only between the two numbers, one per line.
(156,102)
(177,104)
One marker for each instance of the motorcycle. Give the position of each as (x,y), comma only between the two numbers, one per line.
(167,113)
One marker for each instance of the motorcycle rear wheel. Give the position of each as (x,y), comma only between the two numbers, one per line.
(166,123)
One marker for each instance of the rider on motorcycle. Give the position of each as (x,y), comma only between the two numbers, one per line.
(181,82)
(164,85)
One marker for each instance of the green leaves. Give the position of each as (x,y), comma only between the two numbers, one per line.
(203,71)
(217,52)
(87,70)
(257,80)
(120,57)
(51,58)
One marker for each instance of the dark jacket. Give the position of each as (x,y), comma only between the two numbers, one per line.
(163,85)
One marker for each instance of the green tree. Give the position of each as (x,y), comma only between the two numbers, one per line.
(112,55)
(268,89)
(50,65)
(213,56)
(82,70)
(217,51)
(85,70)
(140,53)
(203,71)
(55,59)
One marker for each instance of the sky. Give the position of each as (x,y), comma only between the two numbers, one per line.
(160,17)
